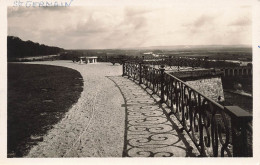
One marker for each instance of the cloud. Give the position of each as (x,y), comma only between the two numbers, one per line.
(135,11)
(131,26)
(242,21)
(200,24)
(18,11)
(96,23)
(134,18)
(203,20)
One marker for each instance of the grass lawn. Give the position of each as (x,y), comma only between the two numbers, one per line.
(38,97)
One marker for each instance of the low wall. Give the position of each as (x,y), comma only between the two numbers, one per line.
(210,87)
(206,81)
(196,74)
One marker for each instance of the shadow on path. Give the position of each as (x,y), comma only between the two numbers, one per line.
(149,132)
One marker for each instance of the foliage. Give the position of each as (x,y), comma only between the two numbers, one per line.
(17,48)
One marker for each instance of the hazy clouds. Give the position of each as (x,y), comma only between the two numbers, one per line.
(131,26)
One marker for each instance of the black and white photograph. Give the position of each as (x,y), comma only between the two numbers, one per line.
(128,79)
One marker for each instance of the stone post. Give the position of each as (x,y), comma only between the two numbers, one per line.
(162,83)
(239,121)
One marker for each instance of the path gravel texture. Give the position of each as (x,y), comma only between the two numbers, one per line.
(94,126)
(114,117)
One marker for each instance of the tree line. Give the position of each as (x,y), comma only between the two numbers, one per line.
(17,48)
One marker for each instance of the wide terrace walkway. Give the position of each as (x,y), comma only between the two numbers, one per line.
(114,117)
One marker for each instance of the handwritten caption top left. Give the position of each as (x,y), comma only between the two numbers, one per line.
(42,3)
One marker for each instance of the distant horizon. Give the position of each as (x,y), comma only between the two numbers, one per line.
(148,47)
(151,47)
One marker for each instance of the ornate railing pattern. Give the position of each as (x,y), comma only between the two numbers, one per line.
(151,78)
(215,130)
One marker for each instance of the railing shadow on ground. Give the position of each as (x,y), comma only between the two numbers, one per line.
(173,122)
(180,134)
(214,129)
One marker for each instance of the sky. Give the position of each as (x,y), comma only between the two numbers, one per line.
(127,26)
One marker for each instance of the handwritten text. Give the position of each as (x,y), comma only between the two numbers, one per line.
(42,3)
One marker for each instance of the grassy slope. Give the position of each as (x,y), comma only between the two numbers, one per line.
(38,97)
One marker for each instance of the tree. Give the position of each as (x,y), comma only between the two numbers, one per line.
(17,48)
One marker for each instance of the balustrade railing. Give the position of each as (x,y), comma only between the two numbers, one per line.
(215,130)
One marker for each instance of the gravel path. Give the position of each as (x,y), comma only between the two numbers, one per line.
(97,126)
(90,128)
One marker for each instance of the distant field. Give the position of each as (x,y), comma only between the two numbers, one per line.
(218,52)
(38,97)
